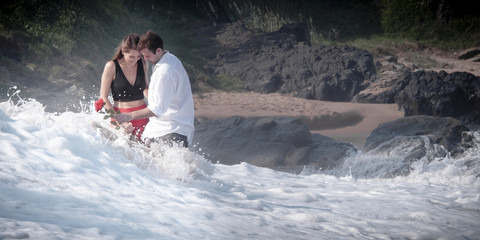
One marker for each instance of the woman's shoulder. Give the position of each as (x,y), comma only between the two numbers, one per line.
(109,67)
(110,64)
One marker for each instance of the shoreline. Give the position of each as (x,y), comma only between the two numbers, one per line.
(353,121)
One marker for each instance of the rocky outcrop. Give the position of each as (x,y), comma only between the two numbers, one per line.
(267,142)
(440,94)
(416,135)
(327,153)
(382,88)
(285,62)
(263,142)
(430,93)
(395,145)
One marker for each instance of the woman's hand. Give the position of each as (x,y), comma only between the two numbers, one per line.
(123,117)
(128,127)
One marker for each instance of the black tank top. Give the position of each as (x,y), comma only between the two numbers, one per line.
(122,90)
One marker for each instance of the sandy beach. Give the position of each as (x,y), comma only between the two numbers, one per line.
(343,121)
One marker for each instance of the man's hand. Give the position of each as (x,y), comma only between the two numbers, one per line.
(123,117)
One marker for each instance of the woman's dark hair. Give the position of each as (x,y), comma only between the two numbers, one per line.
(129,42)
(150,41)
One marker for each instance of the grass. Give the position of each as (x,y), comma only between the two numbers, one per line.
(393,26)
(227,83)
(379,46)
(54,37)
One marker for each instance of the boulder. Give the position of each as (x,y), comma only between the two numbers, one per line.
(273,142)
(417,134)
(429,93)
(261,141)
(327,153)
(440,94)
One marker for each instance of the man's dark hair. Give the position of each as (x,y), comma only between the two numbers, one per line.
(150,41)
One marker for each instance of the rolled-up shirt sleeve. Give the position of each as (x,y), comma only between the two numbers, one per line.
(161,89)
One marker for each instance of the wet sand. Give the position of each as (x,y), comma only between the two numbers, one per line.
(342,121)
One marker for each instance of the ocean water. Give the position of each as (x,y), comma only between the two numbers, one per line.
(69,175)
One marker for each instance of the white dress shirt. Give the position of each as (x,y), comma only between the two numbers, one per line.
(170,99)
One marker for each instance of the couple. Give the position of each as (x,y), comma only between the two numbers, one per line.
(170,111)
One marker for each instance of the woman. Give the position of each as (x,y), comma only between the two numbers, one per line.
(125,76)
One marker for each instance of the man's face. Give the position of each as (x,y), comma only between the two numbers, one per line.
(149,55)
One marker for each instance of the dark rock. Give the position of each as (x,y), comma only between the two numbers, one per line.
(469,54)
(414,133)
(385,96)
(267,142)
(264,142)
(278,62)
(327,153)
(391,158)
(391,59)
(299,30)
(395,145)
(430,93)
(440,94)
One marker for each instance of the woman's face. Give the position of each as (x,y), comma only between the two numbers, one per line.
(132,56)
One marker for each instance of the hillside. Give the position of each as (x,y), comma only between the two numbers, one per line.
(55,51)
(60,48)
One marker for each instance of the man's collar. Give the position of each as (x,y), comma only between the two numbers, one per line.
(160,59)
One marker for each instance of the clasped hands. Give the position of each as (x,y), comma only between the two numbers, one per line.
(124,119)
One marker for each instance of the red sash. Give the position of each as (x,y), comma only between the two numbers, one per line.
(138,124)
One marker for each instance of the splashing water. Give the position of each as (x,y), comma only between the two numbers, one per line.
(72,176)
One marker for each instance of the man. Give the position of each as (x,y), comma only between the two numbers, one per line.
(170,101)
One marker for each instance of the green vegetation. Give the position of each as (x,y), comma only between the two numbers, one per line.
(381,27)
(227,83)
(426,24)
(429,23)
(328,20)
(54,38)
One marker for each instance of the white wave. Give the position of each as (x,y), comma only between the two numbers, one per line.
(71,176)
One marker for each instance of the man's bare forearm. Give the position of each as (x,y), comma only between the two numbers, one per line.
(126,117)
(143,113)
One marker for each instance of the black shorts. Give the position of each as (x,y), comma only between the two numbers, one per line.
(171,139)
